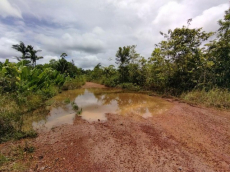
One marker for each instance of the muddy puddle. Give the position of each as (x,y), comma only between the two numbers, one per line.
(94,103)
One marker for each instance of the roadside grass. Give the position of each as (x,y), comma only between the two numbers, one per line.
(17,157)
(216,97)
(75,83)
(3,159)
(14,108)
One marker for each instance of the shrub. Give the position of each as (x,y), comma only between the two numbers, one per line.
(129,86)
(73,83)
(215,97)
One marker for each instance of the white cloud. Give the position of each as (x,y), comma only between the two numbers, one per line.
(98,30)
(46,59)
(208,19)
(91,31)
(6,50)
(172,14)
(6,9)
(87,42)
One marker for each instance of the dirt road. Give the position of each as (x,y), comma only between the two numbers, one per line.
(185,138)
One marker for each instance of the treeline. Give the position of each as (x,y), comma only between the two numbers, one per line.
(24,87)
(184,61)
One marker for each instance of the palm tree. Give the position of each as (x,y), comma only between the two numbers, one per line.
(23,49)
(62,65)
(33,54)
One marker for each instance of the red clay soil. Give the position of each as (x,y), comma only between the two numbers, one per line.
(185,138)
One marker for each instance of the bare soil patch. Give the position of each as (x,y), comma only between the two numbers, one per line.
(185,138)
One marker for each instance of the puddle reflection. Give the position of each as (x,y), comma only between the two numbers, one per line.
(95,103)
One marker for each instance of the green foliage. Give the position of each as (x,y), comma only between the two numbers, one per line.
(24,88)
(33,54)
(6,129)
(76,108)
(67,101)
(215,97)
(23,49)
(111,81)
(182,62)
(28,52)
(179,58)
(73,83)
(3,159)
(219,53)
(65,67)
(129,86)
(124,56)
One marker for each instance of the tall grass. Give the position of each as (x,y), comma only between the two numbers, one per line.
(73,83)
(215,97)
(13,108)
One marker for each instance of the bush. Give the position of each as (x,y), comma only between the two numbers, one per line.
(73,83)
(129,86)
(215,97)
(111,82)
(6,129)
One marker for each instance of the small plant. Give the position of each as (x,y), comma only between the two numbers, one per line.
(49,102)
(21,151)
(76,108)
(67,101)
(18,167)
(79,112)
(3,159)
(28,148)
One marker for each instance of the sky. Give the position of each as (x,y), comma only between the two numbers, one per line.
(90,31)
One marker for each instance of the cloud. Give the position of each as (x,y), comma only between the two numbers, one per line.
(170,13)
(46,59)
(208,19)
(87,61)
(90,32)
(6,50)
(98,30)
(67,42)
(6,9)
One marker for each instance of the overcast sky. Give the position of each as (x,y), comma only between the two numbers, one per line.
(90,31)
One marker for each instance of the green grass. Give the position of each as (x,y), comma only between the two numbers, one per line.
(3,159)
(18,157)
(13,110)
(76,108)
(75,83)
(67,101)
(216,97)
(129,86)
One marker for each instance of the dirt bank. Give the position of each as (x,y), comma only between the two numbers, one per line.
(185,138)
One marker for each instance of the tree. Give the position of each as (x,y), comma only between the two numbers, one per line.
(97,72)
(123,57)
(109,71)
(219,51)
(33,54)
(182,53)
(63,55)
(62,64)
(23,49)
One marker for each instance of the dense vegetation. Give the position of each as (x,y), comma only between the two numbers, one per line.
(24,86)
(185,61)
